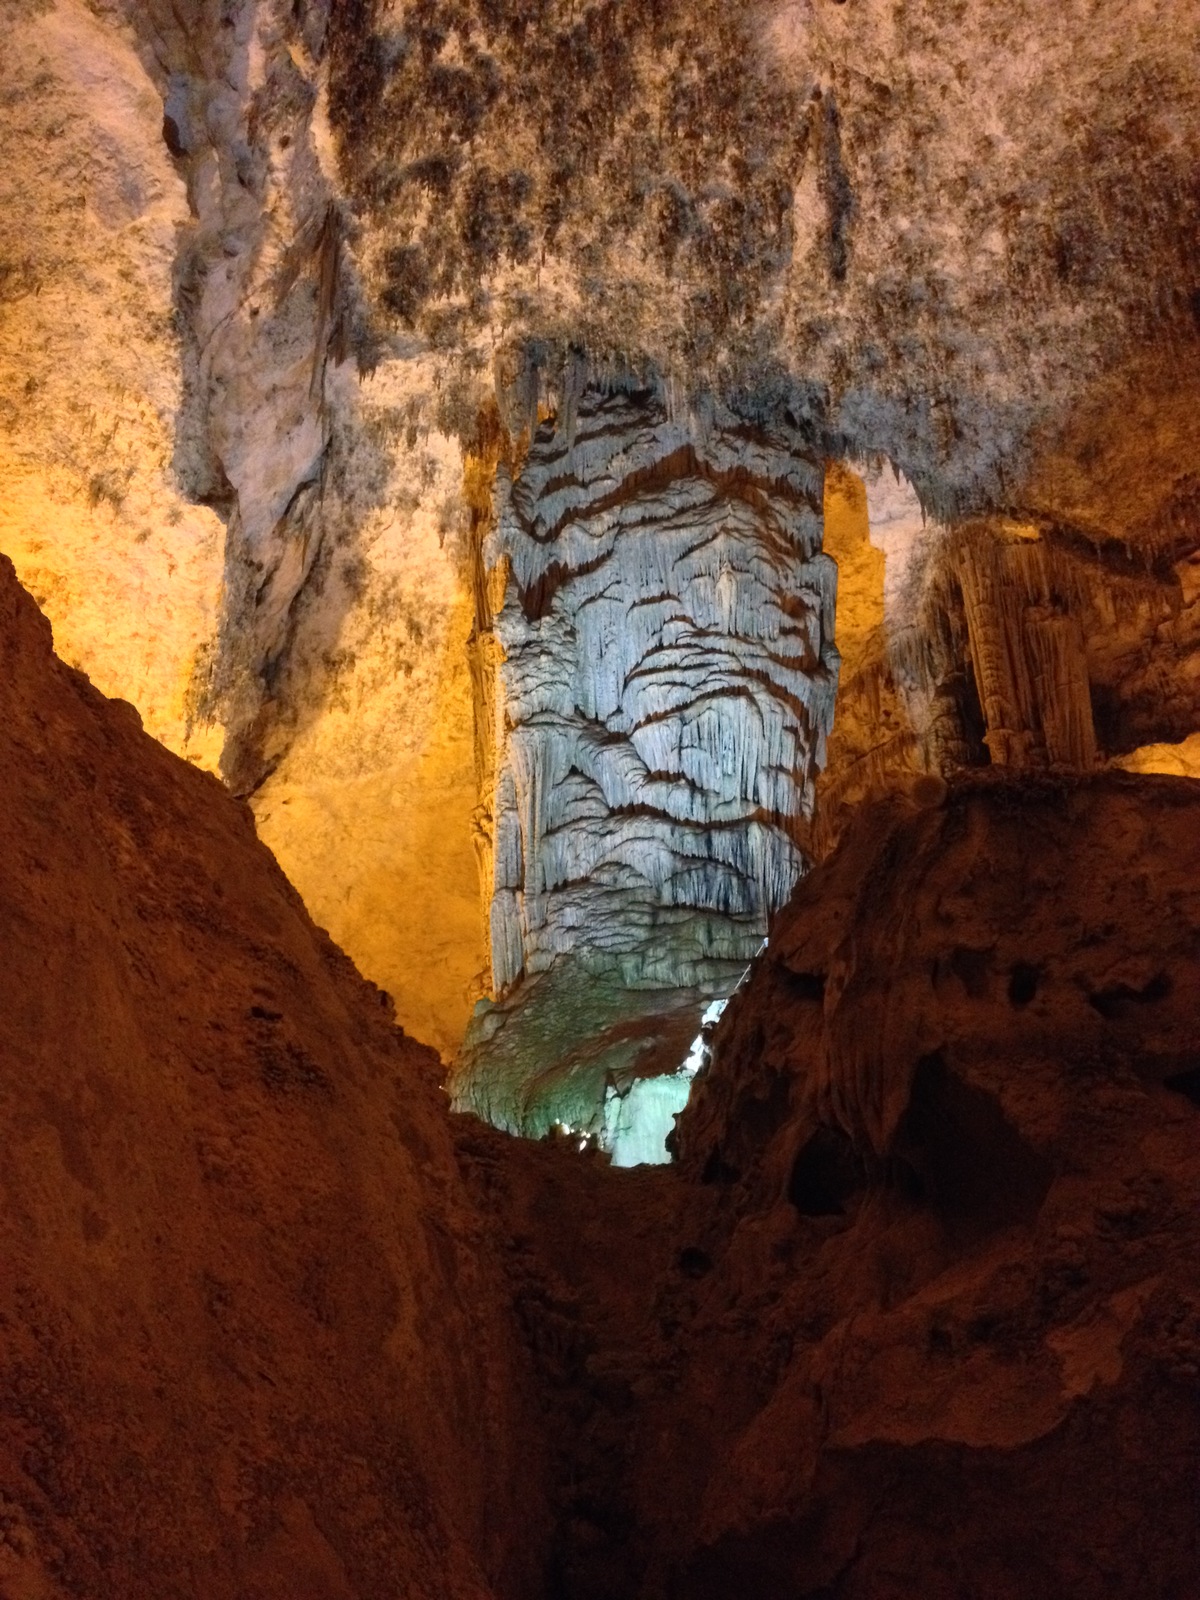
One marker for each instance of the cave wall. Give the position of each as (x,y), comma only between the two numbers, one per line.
(117,550)
(917,1311)
(253,1338)
(249,334)
(229,523)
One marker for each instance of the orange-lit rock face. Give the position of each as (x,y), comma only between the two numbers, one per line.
(126,565)
(139,337)
(918,1313)
(251,308)
(370,810)
(873,744)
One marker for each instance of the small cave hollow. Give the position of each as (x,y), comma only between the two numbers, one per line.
(959,1153)
(1118,1002)
(1185,1083)
(1023,983)
(827,1175)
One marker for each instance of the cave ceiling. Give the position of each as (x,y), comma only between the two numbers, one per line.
(942,232)
(429,416)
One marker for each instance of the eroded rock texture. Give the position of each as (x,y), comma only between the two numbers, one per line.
(960,226)
(919,1310)
(254,538)
(665,689)
(262,261)
(251,1344)
(1007,641)
(657,676)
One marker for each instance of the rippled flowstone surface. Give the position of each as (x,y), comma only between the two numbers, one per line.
(662,683)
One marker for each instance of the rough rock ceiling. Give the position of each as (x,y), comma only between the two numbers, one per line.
(945,223)
(282,285)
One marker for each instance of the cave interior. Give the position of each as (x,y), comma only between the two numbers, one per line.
(599,800)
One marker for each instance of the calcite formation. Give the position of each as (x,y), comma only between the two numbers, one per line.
(657,679)
(1002,641)
(665,688)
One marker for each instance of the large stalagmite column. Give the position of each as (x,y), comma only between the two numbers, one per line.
(660,623)
(666,690)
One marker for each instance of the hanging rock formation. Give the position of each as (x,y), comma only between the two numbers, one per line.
(1022,643)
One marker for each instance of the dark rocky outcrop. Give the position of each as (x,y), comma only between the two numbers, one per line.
(251,1342)
(919,1310)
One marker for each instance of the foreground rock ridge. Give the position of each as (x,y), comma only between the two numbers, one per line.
(918,1313)
(251,1338)
(917,1310)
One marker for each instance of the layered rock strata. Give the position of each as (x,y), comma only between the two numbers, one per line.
(657,646)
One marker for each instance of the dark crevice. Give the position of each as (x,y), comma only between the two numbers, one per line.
(802,985)
(1023,984)
(826,1175)
(1185,1083)
(1120,1000)
(962,1155)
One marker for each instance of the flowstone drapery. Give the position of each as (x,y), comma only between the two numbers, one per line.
(660,622)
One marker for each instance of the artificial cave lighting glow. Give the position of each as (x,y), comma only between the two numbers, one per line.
(637,1123)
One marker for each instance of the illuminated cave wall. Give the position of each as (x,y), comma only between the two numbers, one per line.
(262,264)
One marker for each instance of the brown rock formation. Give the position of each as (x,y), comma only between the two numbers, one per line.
(250,1343)
(919,1312)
